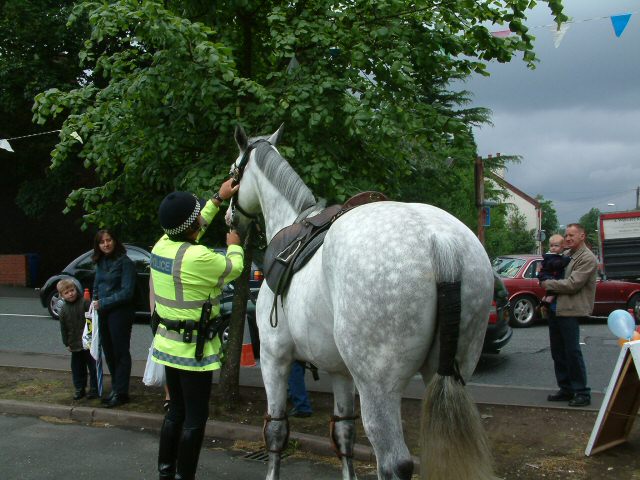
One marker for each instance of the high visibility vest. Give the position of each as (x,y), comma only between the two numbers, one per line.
(184,276)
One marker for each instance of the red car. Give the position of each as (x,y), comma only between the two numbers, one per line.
(518,273)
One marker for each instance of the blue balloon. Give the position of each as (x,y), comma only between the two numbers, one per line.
(621,324)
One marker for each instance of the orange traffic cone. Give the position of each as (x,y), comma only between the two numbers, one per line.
(246,357)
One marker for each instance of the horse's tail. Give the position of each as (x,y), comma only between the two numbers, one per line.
(446,259)
(454,442)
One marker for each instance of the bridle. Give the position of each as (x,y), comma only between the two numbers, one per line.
(236,174)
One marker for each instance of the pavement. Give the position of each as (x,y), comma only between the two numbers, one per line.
(249,376)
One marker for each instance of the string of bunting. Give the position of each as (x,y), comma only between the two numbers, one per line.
(5,145)
(618,22)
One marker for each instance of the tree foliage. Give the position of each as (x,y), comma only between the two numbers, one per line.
(37,52)
(363,89)
(508,233)
(590,223)
(550,223)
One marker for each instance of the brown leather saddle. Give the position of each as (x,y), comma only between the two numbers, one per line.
(292,247)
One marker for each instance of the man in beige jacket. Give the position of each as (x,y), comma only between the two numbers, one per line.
(575,297)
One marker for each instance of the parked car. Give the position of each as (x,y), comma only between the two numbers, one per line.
(498,330)
(519,275)
(82,271)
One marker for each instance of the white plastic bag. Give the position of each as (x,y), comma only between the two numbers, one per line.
(153,372)
(86,333)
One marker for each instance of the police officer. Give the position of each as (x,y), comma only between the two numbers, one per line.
(184,275)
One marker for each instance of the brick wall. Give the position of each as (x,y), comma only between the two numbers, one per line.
(13,270)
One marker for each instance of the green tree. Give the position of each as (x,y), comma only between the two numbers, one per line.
(37,52)
(362,88)
(590,223)
(523,240)
(508,233)
(356,88)
(550,223)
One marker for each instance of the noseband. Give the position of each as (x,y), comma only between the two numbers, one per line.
(237,174)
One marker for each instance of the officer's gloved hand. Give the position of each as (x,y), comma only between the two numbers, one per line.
(233,238)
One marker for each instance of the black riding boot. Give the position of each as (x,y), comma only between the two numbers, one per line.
(168,451)
(189,452)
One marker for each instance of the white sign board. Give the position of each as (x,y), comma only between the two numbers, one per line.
(621,402)
(616,228)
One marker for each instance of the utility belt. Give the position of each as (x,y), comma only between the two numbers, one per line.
(206,327)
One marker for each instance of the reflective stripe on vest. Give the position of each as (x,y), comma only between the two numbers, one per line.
(171,360)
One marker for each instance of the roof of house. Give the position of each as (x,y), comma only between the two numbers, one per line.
(501,181)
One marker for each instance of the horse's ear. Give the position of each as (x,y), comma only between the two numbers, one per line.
(275,138)
(241,138)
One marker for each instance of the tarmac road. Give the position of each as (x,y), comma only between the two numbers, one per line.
(523,369)
(36,449)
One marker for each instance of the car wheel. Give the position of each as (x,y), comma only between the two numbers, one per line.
(634,303)
(523,311)
(54,303)
(223,331)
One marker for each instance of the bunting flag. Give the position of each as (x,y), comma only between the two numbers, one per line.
(5,145)
(619,23)
(502,33)
(558,34)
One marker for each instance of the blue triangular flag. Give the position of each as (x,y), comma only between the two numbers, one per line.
(619,23)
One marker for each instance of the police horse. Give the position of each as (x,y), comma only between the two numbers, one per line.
(395,289)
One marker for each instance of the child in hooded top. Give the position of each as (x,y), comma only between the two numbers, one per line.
(72,321)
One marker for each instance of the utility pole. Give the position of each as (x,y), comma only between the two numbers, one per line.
(638,198)
(483,206)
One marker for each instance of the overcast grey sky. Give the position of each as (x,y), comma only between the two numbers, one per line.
(575,119)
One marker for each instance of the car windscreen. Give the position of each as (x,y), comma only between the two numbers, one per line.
(507,267)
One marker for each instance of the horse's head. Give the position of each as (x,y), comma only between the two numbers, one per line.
(245,206)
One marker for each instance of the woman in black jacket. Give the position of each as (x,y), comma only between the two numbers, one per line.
(113,290)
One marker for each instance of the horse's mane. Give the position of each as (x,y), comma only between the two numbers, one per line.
(284,178)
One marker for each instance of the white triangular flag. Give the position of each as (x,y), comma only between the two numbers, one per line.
(76,136)
(558,33)
(4,144)
(293,64)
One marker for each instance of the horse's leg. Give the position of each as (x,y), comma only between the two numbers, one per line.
(383,425)
(276,427)
(343,425)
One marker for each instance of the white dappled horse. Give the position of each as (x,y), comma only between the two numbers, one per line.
(391,284)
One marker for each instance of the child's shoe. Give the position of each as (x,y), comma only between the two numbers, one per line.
(79,394)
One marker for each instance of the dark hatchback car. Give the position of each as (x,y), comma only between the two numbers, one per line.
(498,330)
(82,272)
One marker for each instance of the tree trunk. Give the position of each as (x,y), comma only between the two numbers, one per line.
(230,373)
